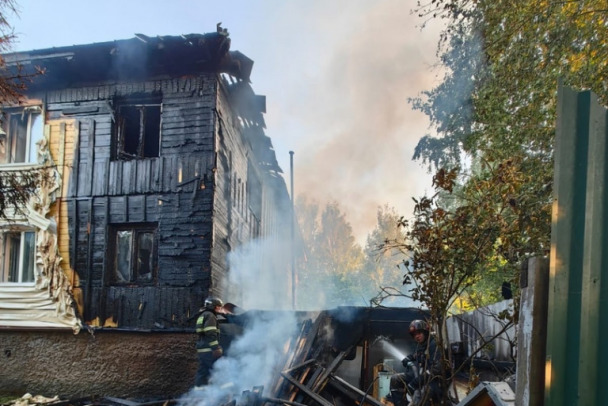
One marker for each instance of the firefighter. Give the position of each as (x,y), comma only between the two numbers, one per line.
(208,344)
(423,368)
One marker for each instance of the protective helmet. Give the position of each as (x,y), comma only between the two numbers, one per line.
(419,325)
(212,302)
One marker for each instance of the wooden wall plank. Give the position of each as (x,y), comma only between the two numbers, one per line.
(90,155)
(76,163)
(106,191)
(136,209)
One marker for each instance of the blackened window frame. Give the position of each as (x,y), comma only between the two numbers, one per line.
(137,128)
(135,276)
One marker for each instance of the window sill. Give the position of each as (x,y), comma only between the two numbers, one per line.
(21,166)
(17,284)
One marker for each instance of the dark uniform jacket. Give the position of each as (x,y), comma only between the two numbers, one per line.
(427,358)
(208,332)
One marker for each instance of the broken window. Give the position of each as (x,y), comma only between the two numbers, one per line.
(254,191)
(137,127)
(18,256)
(134,254)
(21,129)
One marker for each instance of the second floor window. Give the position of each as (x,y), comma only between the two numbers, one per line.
(18,250)
(137,127)
(134,255)
(21,129)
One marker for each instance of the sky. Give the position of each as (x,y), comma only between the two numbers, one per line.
(337,75)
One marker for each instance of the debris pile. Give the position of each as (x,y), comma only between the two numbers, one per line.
(309,376)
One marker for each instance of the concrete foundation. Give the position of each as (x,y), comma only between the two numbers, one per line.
(107,363)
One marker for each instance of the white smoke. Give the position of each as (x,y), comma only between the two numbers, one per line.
(254,358)
(260,275)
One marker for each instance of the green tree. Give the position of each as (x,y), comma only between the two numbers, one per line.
(328,276)
(447,245)
(384,260)
(496,104)
(496,109)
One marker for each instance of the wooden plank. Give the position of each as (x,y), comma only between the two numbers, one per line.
(91,156)
(116,179)
(105,236)
(89,269)
(156,175)
(310,338)
(169,174)
(76,162)
(152,208)
(136,209)
(117,211)
(61,157)
(317,398)
(127,175)
(98,233)
(142,181)
(320,383)
(353,392)
(98,187)
(73,225)
(296,367)
(106,177)
(299,396)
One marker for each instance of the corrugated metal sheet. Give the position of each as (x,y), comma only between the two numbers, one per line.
(474,329)
(578,297)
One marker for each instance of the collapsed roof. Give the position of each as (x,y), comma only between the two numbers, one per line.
(141,57)
(147,58)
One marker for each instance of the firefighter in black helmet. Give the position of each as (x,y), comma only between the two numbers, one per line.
(208,344)
(423,368)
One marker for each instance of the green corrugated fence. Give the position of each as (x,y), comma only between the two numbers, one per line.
(576,370)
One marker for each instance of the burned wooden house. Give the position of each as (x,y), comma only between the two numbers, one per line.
(156,166)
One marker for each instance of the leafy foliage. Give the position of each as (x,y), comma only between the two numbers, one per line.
(495,111)
(384,252)
(496,106)
(328,277)
(383,255)
(451,246)
(337,271)
(17,188)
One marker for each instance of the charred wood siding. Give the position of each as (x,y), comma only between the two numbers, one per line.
(173,191)
(205,194)
(247,196)
(232,220)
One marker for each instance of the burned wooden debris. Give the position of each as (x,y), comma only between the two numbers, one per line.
(310,374)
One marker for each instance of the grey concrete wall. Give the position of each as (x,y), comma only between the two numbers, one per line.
(108,363)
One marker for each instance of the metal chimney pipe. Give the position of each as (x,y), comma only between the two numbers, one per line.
(293,240)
